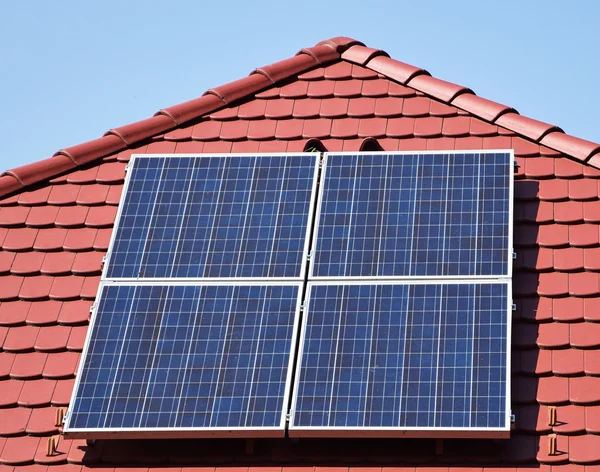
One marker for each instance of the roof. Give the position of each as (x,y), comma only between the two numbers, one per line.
(56,219)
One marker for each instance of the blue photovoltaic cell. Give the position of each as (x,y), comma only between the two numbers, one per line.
(210,216)
(187,356)
(404,356)
(414,215)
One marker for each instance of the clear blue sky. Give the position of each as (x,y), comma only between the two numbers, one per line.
(71,70)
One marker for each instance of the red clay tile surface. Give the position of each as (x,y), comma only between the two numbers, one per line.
(56,220)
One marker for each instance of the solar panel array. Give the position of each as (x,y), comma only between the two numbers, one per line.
(215,217)
(399,355)
(421,215)
(199,308)
(188,356)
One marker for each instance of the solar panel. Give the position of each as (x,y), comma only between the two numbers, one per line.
(442,214)
(404,359)
(235,216)
(187,360)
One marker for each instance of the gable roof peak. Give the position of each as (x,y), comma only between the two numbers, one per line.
(323,53)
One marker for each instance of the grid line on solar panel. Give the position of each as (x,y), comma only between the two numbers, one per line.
(391,355)
(445,214)
(225,217)
(187,357)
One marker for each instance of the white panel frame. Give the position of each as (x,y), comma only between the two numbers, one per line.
(136,157)
(412,277)
(186,432)
(406,432)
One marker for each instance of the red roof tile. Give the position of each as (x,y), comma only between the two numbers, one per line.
(13,216)
(19,450)
(279,109)
(6,261)
(36,393)
(43,313)
(52,338)
(80,239)
(13,421)
(36,288)
(13,313)
(19,239)
(101,217)
(61,394)
(42,422)
(77,338)
(90,263)
(28,366)
(66,288)
(553,390)
(61,365)
(57,263)
(74,313)
(42,216)
(64,194)
(9,287)
(27,263)
(9,393)
(83,176)
(20,338)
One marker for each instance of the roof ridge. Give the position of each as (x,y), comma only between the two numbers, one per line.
(464,98)
(324,52)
